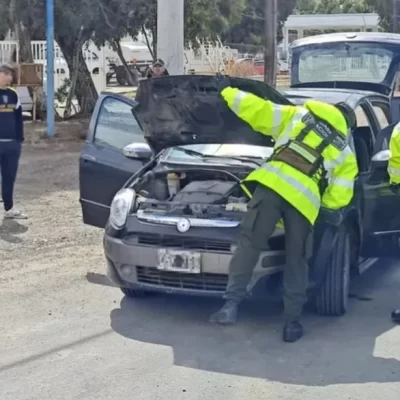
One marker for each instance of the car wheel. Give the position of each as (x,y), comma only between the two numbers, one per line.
(332,299)
(134,293)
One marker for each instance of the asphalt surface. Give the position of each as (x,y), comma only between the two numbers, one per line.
(66,334)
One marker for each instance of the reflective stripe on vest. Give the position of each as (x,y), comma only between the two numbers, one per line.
(394,171)
(347,183)
(312,197)
(237,100)
(285,136)
(277,113)
(339,159)
(303,152)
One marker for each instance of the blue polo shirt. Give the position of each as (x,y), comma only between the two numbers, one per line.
(11,120)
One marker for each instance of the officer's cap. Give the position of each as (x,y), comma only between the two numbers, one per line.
(6,68)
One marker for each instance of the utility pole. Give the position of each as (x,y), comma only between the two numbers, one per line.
(50,67)
(270,28)
(170,34)
(395,16)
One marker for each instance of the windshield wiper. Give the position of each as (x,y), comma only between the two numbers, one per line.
(197,154)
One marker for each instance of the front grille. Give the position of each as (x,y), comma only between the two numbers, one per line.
(184,242)
(206,282)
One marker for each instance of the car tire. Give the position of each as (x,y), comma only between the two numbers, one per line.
(332,299)
(134,293)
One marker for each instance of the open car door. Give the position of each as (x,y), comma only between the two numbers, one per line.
(103,167)
(381,206)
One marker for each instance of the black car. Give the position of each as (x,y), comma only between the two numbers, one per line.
(176,203)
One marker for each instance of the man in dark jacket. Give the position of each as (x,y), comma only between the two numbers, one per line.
(11,138)
(156,70)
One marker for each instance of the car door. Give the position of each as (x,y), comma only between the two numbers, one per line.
(103,168)
(381,213)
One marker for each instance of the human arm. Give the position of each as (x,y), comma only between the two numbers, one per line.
(394,159)
(262,115)
(19,121)
(340,189)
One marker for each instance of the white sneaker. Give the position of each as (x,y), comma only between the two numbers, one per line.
(14,214)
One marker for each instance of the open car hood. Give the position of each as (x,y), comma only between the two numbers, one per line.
(356,60)
(187,109)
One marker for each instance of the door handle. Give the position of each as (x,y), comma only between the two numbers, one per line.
(87,157)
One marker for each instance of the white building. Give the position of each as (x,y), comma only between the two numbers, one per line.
(303,25)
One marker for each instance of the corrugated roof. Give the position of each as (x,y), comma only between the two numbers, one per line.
(311,21)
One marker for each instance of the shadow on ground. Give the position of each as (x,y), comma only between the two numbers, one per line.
(334,350)
(10,229)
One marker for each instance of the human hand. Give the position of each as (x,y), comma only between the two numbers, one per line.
(222,82)
(331,217)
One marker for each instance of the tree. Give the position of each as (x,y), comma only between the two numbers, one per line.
(384,8)
(79,21)
(204,19)
(250,29)
(334,6)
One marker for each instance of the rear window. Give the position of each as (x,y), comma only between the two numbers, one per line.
(344,62)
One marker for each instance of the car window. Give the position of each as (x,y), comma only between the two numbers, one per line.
(382,113)
(362,119)
(116,126)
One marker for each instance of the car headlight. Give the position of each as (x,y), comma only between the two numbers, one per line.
(120,207)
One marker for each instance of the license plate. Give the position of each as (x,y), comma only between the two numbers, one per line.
(179,261)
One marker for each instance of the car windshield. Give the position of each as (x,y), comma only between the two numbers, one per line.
(362,62)
(218,151)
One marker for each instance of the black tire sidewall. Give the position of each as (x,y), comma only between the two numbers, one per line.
(332,299)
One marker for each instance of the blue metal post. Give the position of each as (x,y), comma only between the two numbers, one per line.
(50,66)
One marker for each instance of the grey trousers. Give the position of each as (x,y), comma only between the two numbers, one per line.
(265,209)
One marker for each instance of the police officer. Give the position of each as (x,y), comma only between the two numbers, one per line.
(11,138)
(394,174)
(311,172)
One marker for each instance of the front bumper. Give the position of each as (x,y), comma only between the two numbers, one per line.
(134,265)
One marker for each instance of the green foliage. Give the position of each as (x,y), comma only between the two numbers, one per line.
(204,19)
(63,91)
(250,29)
(333,6)
(384,8)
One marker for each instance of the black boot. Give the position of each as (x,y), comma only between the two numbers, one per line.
(292,332)
(227,315)
(396,316)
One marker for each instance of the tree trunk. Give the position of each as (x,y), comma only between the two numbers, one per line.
(85,90)
(149,46)
(154,42)
(132,79)
(25,55)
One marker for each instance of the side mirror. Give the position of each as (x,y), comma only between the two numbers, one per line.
(383,155)
(379,167)
(381,159)
(138,151)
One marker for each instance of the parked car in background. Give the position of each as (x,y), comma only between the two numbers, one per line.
(257,65)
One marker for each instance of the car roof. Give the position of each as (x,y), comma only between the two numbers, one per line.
(332,96)
(393,38)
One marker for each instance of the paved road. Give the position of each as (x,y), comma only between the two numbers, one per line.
(65,334)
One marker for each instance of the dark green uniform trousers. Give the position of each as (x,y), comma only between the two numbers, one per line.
(265,209)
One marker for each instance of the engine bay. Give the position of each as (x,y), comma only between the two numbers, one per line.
(206,194)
